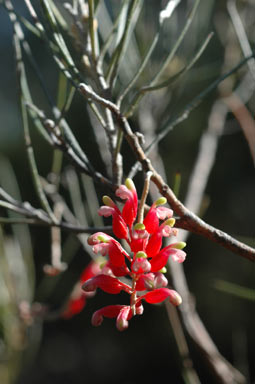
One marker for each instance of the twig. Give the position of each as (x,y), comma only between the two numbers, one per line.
(224,372)
(146,187)
(241,34)
(165,14)
(92,29)
(187,219)
(187,364)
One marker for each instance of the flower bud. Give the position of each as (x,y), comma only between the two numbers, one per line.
(141,254)
(179,245)
(97,319)
(160,280)
(141,265)
(108,201)
(175,298)
(121,321)
(161,201)
(139,227)
(130,184)
(139,309)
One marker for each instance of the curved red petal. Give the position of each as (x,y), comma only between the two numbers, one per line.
(160,294)
(159,261)
(154,244)
(110,311)
(151,220)
(119,227)
(119,271)
(129,212)
(107,283)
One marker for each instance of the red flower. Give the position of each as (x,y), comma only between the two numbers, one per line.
(128,192)
(78,298)
(161,294)
(143,267)
(107,283)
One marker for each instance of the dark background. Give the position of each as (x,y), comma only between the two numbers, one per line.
(73,352)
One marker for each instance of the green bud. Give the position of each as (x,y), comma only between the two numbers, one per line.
(101,265)
(102,239)
(108,201)
(161,201)
(139,226)
(129,184)
(170,222)
(163,270)
(141,254)
(180,245)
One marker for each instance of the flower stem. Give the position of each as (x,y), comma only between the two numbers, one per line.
(144,196)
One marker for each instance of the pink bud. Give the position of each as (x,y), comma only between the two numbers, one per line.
(179,256)
(123,192)
(97,319)
(101,248)
(139,309)
(106,211)
(160,280)
(97,238)
(122,318)
(164,213)
(141,265)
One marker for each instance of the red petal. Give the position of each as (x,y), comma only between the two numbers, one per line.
(119,227)
(92,269)
(119,271)
(159,261)
(154,244)
(74,307)
(116,255)
(110,311)
(145,282)
(151,220)
(160,294)
(107,283)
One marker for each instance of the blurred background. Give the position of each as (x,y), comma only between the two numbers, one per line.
(71,351)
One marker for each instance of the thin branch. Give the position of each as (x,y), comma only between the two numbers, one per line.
(171,123)
(117,55)
(241,34)
(165,14)
(65,226)
(224,372)
(188,220)
(92,29)
(146,187)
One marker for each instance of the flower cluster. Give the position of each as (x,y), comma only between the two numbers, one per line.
(143,267)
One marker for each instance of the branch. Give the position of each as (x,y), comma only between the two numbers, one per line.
(224,372)
(187,219)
